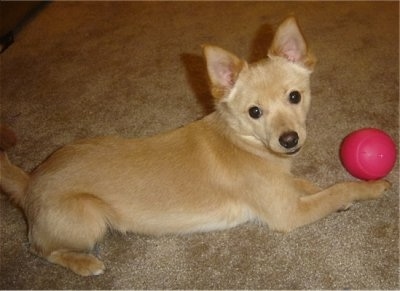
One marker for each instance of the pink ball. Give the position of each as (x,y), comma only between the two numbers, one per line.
(368,153)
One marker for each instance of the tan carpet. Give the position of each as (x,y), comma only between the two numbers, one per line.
(135,69)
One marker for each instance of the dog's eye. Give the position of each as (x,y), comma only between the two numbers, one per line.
(294,97)
(255,112)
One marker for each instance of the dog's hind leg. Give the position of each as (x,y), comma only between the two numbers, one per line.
(84,264)
(65,232)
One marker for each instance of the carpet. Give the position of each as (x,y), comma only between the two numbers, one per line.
(83,69)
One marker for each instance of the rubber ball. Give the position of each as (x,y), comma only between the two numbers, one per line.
(368,153)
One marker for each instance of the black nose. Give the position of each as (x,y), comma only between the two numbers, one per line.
(289,139)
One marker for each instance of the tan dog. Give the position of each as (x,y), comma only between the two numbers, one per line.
(228,168)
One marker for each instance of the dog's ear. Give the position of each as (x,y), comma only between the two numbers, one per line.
(289,43)
(223,69)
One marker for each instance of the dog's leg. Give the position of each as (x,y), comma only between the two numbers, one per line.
(310,208)
(81,263)
(66,231)
(307,186)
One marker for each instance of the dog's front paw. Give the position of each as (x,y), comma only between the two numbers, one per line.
(377,188)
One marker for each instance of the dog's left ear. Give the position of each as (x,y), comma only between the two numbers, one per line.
(223,69)
(289,43)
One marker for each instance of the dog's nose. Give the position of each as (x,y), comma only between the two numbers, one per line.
(289,139)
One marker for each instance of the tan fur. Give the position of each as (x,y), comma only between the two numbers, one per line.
(218,172)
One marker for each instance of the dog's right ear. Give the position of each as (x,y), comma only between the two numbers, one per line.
(223,69)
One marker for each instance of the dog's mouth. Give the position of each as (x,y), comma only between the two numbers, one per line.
(293,152)
(288,152)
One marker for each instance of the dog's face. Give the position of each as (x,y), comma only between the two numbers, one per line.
(266,103)
(269,104)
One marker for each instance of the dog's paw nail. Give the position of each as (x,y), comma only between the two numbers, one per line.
(387,184)
(345,207)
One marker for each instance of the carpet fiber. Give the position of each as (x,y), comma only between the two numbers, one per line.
(135,69)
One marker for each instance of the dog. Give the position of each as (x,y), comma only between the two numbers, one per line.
(228,168)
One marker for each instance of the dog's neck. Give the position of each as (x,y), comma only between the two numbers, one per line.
(216,122)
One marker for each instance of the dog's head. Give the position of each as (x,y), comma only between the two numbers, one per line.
(265,103)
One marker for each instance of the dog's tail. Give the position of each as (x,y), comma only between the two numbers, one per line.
(13,180)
